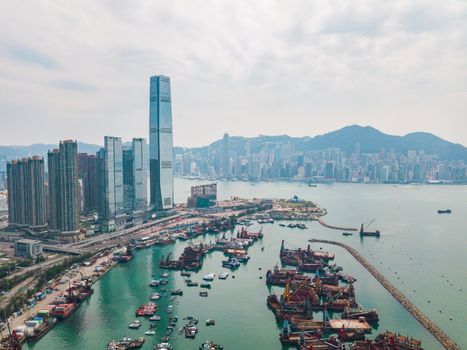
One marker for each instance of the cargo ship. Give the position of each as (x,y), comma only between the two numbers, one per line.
(63,311)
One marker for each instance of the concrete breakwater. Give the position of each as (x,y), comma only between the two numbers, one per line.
(442,337)
(321,221)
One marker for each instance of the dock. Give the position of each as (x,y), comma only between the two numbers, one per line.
(442,337)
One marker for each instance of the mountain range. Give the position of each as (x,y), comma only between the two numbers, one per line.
(370,139)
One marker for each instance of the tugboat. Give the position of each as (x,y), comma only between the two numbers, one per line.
(125,343)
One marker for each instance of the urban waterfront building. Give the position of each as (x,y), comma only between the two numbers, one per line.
(64,192)
(160,143)
(26,193)
(140,174)
(110,188)
(226,156)
(87,172)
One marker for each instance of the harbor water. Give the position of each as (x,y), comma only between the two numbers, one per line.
(421,252)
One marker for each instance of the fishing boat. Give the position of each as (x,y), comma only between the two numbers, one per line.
(203,294)
(148,309)
(125,343)
(210,322)
(282,224)
(192,284)
(209,277)
(205,285)
(155,283)
(209,345)
(177,292)
(135,324)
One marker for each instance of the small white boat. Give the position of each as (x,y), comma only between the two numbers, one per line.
(135,324)
(165,275)
(209,277)
(164,346)
(155,296)
(155,283)
(223,275)
(150,332)
(155,318)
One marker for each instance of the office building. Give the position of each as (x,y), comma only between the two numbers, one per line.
(26,193)
(140,174)
(64,196)
(160,143)
(226,156)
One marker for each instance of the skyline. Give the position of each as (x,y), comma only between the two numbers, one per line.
(319,66)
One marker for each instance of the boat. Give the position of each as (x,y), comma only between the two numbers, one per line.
(155,318)
(292,225)
(164,346)
(205,285)
(148,309)
(444,211)
(223,275)
(210,322)
(125,343)
(364,233)
(43,329)
(155,296)
(190,331)
(135,324)
(282,224)
(150,333)
(164,275)
(370,316)
(177,292)
(209,277)
(192,284)
(155,283)
(232,263)
(203,294)
(209,345)
(170,309)
(347,233)
(185,274)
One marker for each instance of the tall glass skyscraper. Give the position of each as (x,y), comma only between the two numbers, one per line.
(160,143)
(110,170)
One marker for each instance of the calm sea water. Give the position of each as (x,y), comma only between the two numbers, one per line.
(420,252)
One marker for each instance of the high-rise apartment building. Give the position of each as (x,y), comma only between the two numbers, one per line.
(140,173)
(26,193)
(64,196)
(226,155)
(160,143)
(110,173)
(87,170)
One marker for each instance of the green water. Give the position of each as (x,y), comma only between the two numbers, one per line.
(417,243)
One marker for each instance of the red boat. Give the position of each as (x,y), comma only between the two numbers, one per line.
(148,309)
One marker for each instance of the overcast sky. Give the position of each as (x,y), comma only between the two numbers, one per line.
(80,69)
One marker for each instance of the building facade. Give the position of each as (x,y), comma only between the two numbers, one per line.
(64,192)
(26,193)
(87,170)
(160,143)
(140,173)
(110,169)
(28,248)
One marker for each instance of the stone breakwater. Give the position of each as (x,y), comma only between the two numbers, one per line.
(442,337)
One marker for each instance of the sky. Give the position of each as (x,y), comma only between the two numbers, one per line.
(80,69)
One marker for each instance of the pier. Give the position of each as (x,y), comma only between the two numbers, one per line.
(320,220)
(442,337)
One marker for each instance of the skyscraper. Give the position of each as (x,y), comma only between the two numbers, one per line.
(26,193)
(64,202)
(226,155)
(160,143)
(110,171)
(87,170)
(140,174)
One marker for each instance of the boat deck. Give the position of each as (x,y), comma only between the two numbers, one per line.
(349,325)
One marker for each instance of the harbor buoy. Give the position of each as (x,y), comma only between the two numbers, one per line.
(260,277)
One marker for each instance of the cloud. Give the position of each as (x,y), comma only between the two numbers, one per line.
(269,67)
(29,56)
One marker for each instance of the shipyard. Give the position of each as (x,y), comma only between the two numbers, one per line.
(315,306)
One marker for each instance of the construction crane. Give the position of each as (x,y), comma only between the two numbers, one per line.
(368,224)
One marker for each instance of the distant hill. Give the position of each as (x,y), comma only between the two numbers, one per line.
(370,139)
(40,149)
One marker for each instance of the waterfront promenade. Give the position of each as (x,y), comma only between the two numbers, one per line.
(442,337)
